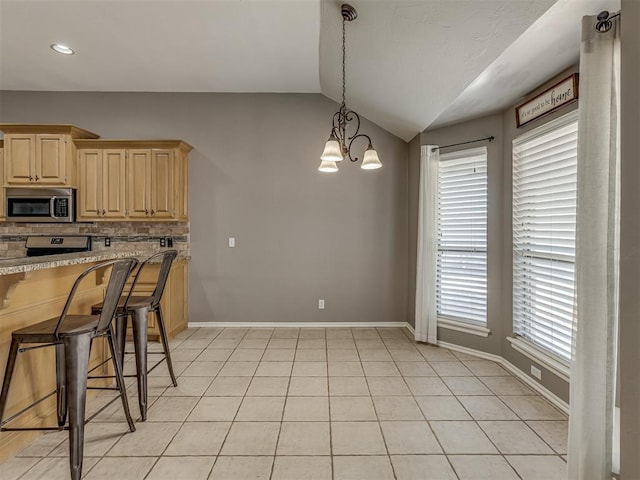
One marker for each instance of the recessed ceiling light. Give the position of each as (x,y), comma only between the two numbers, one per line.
(63,49)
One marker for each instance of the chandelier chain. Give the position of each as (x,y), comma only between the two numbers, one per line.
(344,68)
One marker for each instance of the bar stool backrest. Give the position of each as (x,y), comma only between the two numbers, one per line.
(167,259)
(120,271)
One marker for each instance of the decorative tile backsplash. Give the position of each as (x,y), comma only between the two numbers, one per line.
(125,236)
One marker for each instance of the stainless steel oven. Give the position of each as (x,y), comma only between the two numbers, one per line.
(50,205)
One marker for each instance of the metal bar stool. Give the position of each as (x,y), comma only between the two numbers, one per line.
(137,307)
(72,336)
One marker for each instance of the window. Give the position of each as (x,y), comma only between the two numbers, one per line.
(544,226)
(461,281)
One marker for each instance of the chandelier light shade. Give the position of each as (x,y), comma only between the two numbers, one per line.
(332,150)
(370,160)
(328,166)
(338,146)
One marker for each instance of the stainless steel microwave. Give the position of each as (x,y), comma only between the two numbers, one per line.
(50,205)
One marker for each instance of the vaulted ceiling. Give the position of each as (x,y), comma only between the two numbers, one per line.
(410,63)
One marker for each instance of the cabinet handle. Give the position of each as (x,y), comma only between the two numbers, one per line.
(37,178)
(153,212)
(103,213)
(30,178)
(146,212)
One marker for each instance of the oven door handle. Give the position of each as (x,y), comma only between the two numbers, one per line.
(52,207)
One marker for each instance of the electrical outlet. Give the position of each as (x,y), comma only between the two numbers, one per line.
(169,242)
(107,242)
(163,242)
(321,304)
(232,242)
(536,372)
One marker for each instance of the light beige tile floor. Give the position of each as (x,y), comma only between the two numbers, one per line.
(316,404)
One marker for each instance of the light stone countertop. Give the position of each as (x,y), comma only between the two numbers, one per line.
(31,264)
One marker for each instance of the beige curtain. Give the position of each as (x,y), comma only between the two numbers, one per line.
(426,321)
(593,371)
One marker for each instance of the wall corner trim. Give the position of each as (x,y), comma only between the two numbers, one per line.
(551,397)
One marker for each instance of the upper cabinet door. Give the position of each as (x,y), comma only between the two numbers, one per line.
(50,159)
(138,185)
(19,154)
(89,184)
(162,185)
(114,177)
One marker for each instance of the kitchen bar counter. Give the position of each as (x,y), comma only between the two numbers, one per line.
(30,264)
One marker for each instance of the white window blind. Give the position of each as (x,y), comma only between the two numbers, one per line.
(544,226)
(461,285)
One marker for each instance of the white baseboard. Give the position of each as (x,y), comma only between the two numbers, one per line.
(298,324)
(552,397)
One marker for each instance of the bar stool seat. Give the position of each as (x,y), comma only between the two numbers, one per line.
(136,308)
(134,302)
(72,337)
(44,332)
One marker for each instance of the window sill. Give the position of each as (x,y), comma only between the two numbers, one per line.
(547,361)
(463,327)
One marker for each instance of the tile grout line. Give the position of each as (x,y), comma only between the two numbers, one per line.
(284,407)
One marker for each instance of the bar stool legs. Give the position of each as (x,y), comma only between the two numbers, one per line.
(165,344)
(121,335)
(61,386)
(76,350)
(8,373)
(118,365)
(140,337)
(76,355)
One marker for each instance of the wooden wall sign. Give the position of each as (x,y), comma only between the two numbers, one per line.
(562,93)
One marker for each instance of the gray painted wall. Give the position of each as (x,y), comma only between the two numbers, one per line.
(300,235)
(629,244)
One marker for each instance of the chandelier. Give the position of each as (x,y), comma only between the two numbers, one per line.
(338,146)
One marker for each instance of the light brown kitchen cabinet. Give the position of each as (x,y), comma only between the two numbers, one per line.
(156,184)
(41,154)
(101,184)
(150,187)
